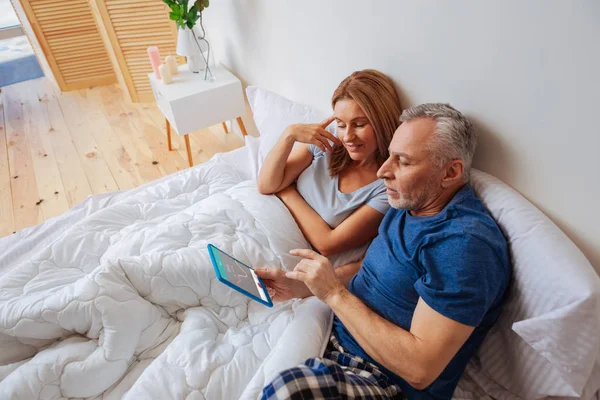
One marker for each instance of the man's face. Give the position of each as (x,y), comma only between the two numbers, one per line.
(409,174)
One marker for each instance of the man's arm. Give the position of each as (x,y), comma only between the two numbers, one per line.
(360,227)
(418,356)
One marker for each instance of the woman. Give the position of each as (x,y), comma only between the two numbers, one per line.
(337,200)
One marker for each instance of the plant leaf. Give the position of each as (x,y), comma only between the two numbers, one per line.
(201,4)
(193,14)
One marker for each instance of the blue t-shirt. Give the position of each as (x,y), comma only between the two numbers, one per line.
(457,261)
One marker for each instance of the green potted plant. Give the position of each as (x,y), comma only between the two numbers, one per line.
(190,43)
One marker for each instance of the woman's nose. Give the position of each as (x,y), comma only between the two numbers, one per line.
(350,134)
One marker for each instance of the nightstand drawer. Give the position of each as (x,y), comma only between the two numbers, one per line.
(162,102)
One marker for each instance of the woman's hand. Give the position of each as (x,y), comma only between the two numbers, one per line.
(313,134)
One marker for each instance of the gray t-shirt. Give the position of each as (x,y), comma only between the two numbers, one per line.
(322,193)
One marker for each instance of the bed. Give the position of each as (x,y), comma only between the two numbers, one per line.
(117,298)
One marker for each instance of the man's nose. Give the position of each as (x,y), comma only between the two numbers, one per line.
(383,171)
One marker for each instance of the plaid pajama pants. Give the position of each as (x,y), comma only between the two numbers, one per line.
(338,375)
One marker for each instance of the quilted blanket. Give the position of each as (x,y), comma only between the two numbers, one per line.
(124,302)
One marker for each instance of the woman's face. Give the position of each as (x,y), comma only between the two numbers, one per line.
(355,131)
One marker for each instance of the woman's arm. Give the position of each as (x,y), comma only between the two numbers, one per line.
(345,273)
(272,177)
(360,227)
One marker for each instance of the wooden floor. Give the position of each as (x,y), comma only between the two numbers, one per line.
(57,149)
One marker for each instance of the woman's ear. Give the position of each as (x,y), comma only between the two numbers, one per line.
(454,173)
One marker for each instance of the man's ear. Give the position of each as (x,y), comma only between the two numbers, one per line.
(454,173)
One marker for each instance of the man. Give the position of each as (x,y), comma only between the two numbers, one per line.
(409,318)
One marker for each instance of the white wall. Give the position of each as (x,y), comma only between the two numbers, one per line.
(526,72)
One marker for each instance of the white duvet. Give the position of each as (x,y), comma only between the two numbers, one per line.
(120,298)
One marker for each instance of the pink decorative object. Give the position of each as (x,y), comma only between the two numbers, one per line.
(155,60)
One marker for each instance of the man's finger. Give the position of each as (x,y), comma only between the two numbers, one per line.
(268,273)
(296,275)
(327,121)
(304,266)
(306,253)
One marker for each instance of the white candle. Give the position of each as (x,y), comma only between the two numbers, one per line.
(172,63)
(165,73)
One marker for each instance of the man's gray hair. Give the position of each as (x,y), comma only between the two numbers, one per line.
(454,136)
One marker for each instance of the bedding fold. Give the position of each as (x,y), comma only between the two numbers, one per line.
(125,302)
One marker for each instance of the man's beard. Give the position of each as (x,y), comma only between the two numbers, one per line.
(415,200)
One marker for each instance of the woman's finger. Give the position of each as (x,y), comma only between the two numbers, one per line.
(319,144)
(327,121)
(325,142)
(331,137)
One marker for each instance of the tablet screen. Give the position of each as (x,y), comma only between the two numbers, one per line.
(239,274)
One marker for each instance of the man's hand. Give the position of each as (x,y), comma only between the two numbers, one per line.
(280,287)
(317,273)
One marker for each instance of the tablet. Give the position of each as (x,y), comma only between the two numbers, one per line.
(238,276)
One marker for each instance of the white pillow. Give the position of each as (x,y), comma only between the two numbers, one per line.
(273,113)
(546,341)
(253,145)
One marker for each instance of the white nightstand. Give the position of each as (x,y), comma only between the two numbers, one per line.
(191,103)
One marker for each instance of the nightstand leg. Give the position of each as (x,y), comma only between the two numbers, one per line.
(169,134)
(189,150)
(242,127)
(225,127)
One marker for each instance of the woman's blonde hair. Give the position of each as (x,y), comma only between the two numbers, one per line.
(376,95)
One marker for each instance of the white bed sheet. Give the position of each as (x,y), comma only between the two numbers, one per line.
(117,297)
(14,248)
